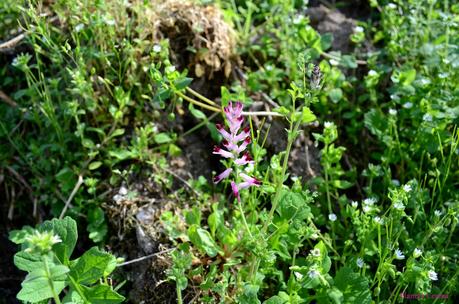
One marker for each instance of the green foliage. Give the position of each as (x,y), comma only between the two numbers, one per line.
(50,271)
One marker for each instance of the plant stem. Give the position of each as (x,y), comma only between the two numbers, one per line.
(179,294)
(50,280)
(291,138)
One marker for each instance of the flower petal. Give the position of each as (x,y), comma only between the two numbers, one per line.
(235,190)
(222,175)
(223,153)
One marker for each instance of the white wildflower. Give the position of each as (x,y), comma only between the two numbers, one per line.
(407,188)
(358,29)
(392,112)
(432,275)
(399,254)
(332,217)
(298,275)
(437,213)
(366,208)
(360,263)
(391,6)
(396,182)
(156,48)
(427,117)
(378,220)
(79,27)
(399,205)
(417,252)
(328,124)
(369,201)
(372,73)
(123,191)
(313,273)
(315,252)
(354,204)
(408,105)
(170,69)
(334,62)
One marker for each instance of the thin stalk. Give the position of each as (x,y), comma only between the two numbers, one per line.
(50,281)
(179,294)
(212,103)
(292,132)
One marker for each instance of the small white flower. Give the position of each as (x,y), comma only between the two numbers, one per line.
(399,206)
(354,204)
(366,208)
(407,188)
(328,124)
(399,254)
(358,29)
(372,73)
(298,19)
(437,213)
(170,69)
(156,48)
(332,217)
(360,262)
(123,191)
(392,6)
(392,112)
(369,201)
(313,273)
(427,117)
(315,252)
(314,236)
(334,62)
(269,67)
(298,275)
(417,252)
(79,27)
(408,105)
(396,182)
(378,220)
(432,275)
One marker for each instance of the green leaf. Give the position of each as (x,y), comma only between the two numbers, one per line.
(335,295)
(307,116)
(162,138)
(354,287)
(281,298)
(226,96)
(91,266)
(341,184)
(182,83)
(326,41)
(95,165)
(102,294)
(196,113)
(348,61)
(335,94)
(27,261)
(203,240)
(36,285)
(66,229)
(19,236)
(121,154)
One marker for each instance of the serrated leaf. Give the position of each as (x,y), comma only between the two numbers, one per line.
(203,240)
(102,294)
(91,266)
(66,229)
(36,287)
(354,287)
(27,261)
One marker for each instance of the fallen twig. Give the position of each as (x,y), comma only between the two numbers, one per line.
(145,257)
(7,99)
(12,42)
(74,191)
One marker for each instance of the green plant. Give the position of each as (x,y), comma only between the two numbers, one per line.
(46,256)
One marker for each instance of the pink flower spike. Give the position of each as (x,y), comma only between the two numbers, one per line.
(242,147)
(222,152)
(222,175)
(244,160)
(223,132)
(228,145)
(235,124)
(251,180)
(235,190)
(245,133)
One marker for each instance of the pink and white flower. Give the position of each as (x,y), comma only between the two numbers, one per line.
(231,141)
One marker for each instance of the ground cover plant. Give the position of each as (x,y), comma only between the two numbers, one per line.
(229,151)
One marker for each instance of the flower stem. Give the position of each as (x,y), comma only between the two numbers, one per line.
(50,280)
